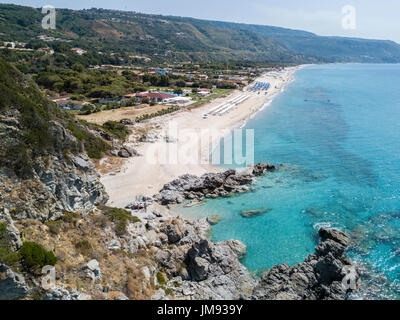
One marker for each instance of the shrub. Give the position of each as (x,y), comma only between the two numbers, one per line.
(117,129)
(160,279)
(84,247)
(34,256)
(70,217)
(94,146)
(55,227)
(120,217)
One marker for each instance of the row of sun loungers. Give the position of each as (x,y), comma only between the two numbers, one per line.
(227,106)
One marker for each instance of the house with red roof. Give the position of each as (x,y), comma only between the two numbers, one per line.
(203,92)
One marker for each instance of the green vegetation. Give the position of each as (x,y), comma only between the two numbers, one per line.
(34,256)
(84,247)
(117,129)
(70,217)
(118,37)
(39,122)
(120,217)
(94,146)
(7,256)
(57,226)
(157,114)
(161,279)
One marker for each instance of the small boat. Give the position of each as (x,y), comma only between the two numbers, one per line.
(205,116)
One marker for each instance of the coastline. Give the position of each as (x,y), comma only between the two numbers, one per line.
(140,177)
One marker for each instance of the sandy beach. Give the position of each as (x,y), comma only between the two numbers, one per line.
(147,174)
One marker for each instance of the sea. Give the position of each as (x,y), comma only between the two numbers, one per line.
(334,132)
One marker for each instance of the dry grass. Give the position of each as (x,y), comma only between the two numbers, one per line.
(122,113)
(109,164)
(75,242)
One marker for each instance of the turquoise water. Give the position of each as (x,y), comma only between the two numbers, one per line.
(336,129)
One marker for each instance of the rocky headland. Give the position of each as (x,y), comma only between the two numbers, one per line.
(211,185)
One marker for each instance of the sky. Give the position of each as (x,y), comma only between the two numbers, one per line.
(373,19)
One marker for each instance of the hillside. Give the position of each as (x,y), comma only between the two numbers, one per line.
(339,49)
(182,39)
(44,163)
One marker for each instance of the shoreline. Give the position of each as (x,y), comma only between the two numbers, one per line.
(140,177)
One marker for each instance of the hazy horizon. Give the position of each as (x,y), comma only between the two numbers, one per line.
(373,20)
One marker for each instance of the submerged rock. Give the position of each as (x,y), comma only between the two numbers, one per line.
(254,213)
(213,220)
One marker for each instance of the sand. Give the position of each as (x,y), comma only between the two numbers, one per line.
(146,175)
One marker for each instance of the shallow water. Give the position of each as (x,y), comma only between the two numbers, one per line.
(337,130)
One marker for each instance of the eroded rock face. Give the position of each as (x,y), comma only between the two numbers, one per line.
(202,269)
(57,186)
(328,274)
(12,235)
(12,285)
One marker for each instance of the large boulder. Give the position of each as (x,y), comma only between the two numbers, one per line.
(91,270)
(261,168)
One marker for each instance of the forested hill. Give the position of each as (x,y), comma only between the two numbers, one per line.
(188,39)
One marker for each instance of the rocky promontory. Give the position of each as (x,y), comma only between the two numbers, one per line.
(328,274)
(211,185)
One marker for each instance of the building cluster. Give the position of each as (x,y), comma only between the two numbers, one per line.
(51,39)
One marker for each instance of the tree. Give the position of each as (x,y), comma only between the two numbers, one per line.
(178,91)
(78,67)
(164,81)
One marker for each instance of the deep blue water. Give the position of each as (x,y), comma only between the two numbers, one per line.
(336,129)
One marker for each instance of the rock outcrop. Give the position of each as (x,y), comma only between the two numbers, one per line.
(60,293)
(12,285)
(44,169)
(328,274)
(198,268)
(91,270)
(56,187)
(210,185)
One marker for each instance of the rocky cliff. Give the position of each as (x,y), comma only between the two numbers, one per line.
(44,168)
